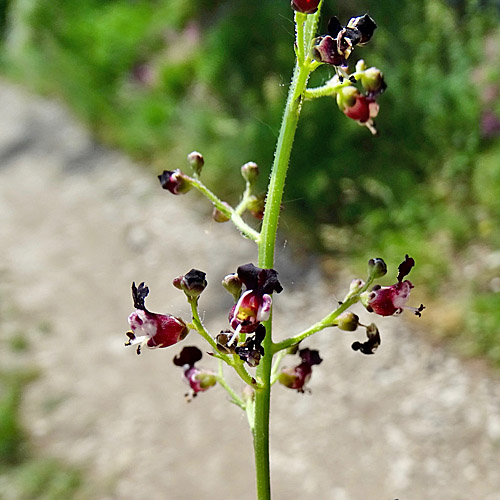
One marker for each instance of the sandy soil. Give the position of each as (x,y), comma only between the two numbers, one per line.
(79,223)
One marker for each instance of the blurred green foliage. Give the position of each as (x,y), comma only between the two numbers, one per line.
(24,476)
(160,78)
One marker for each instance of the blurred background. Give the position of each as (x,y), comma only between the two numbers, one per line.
(157,79)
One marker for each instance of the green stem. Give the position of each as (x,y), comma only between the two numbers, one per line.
(267,243)
(326,322)
(222,382)
(239,367)
(228,211)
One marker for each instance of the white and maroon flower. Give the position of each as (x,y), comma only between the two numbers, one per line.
(389,300)
(297,376)
(151,329)
(254,305)
(198,379)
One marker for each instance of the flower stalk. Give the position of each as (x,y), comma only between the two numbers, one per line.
(267,241)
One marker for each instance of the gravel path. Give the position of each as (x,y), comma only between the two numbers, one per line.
(79,223)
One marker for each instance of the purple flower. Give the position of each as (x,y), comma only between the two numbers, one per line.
(198,379)
(298,376)
(389,300)
(254,305)
(151,329)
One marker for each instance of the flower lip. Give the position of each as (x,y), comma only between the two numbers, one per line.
(405,267)
(188,356)
(265,281)
(365,25)
(139,295)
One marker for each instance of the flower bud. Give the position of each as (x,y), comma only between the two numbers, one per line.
(346,97)
(192,283)
(174,181)
(250,172)
(347,321)
(360,66)
(233,285)
(377,268)
(305,6)
(256,206)
(225,341)
(373,81)
(354,288)
(219,216)
(196,161)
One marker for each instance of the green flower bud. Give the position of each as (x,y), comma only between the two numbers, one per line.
(233,285)
(346,97)
(250,172)
(196,161)
(373,80)
(347,321)
(376,268)
(219,216)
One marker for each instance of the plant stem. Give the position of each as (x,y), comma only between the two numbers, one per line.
(230,212)
(198,325)
(267,243)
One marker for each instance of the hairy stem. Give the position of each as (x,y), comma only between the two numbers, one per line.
(267,243)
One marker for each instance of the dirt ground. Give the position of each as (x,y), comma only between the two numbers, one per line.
(79,223)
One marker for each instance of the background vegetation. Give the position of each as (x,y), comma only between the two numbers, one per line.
(160,78)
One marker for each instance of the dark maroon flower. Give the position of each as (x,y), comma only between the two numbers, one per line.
(251,350)
(336,47)
(174,181)
(151,329)
(298,376)
(371,345)
(389,300)
(191,283)
(254,305)
(199,380)
(305,6)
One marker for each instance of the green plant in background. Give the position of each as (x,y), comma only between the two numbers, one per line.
(247,346)
(24,476)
